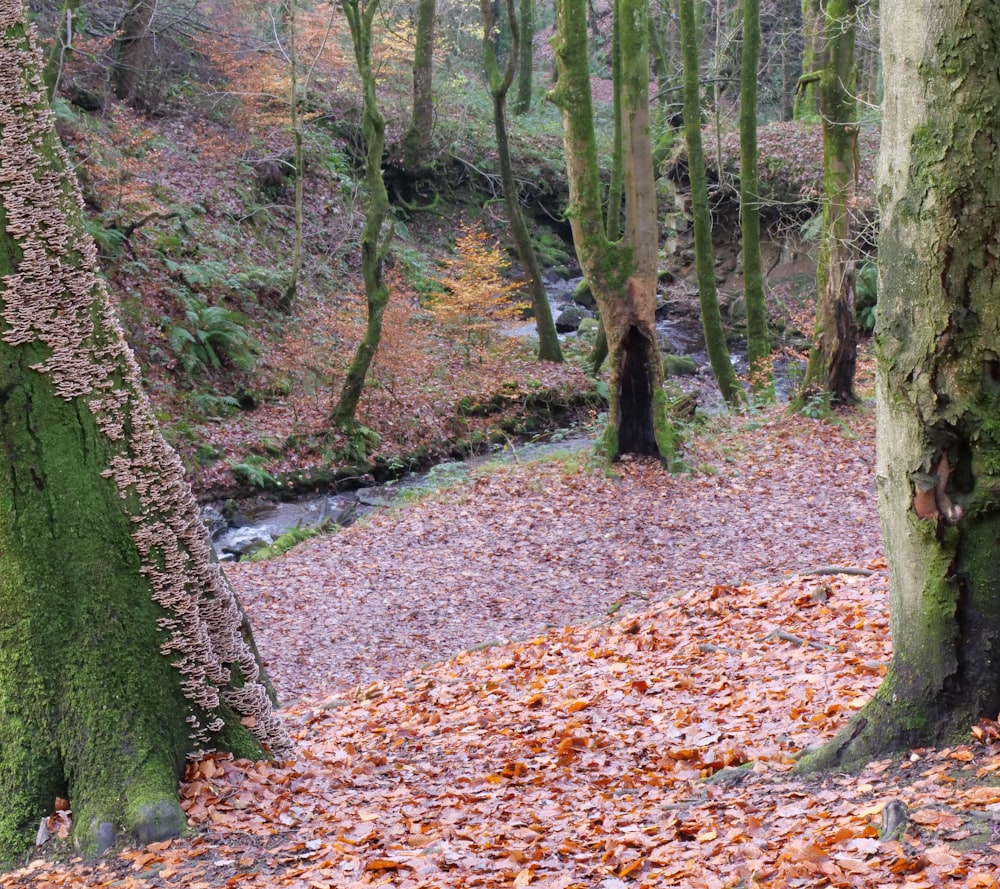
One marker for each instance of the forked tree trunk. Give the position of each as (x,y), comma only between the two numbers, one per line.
(938,380)
(499,86)
(360,16)
(120,640)
(622,276)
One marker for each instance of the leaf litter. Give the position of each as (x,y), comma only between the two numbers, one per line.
(641,748)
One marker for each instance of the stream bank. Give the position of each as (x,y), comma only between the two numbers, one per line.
(239,528)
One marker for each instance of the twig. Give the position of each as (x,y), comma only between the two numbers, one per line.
(797,640)
(826,570)
(710,648)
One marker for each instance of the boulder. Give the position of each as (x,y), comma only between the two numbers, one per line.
(569,319)
(583,296)
(679,365)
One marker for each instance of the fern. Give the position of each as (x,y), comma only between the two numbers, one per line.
(210,337)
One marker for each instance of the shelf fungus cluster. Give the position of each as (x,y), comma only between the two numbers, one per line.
(55,302)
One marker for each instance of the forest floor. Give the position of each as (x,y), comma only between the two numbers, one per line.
(641,658)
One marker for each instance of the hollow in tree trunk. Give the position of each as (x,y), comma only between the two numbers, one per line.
(938,380)
(621,274)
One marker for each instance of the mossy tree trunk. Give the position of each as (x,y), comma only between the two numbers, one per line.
(499,86)
(834,355)
(622,274)
(526,58)
(616,185)
(295,120)
(938,379)
(758,346)
(120,641)
(711,317)
(789,55)
(806,96)
(417,142)
(360,17)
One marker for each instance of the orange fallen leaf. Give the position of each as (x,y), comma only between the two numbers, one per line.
(384,864)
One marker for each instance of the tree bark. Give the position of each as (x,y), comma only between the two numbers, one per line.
(133,51)
(360,16)
(806,96)
(417,142)
(711,317)
(834,356)
(120,645)
(292,287)
(526,58)
(499,86)
(622,276)
(938,379)
(758,346)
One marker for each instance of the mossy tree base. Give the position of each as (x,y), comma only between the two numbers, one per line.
(120,645)
(938,380)
(621,273)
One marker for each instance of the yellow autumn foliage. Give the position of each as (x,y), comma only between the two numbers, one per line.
(474,300)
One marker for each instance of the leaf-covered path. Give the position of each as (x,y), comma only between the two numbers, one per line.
(543,544)
(639,749)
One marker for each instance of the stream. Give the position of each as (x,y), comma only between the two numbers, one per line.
(239,528)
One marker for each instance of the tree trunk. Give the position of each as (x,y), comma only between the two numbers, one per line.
(711,317)
(120,645)
(758,346)
(292,287)
(834,356)
(938,380)
(499,86)
(526,58)
(868,63)
(62,46)
(416,144)
(133,51)
(807,97)
(616,185)
(360,15)
(790,56)
(620,274)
